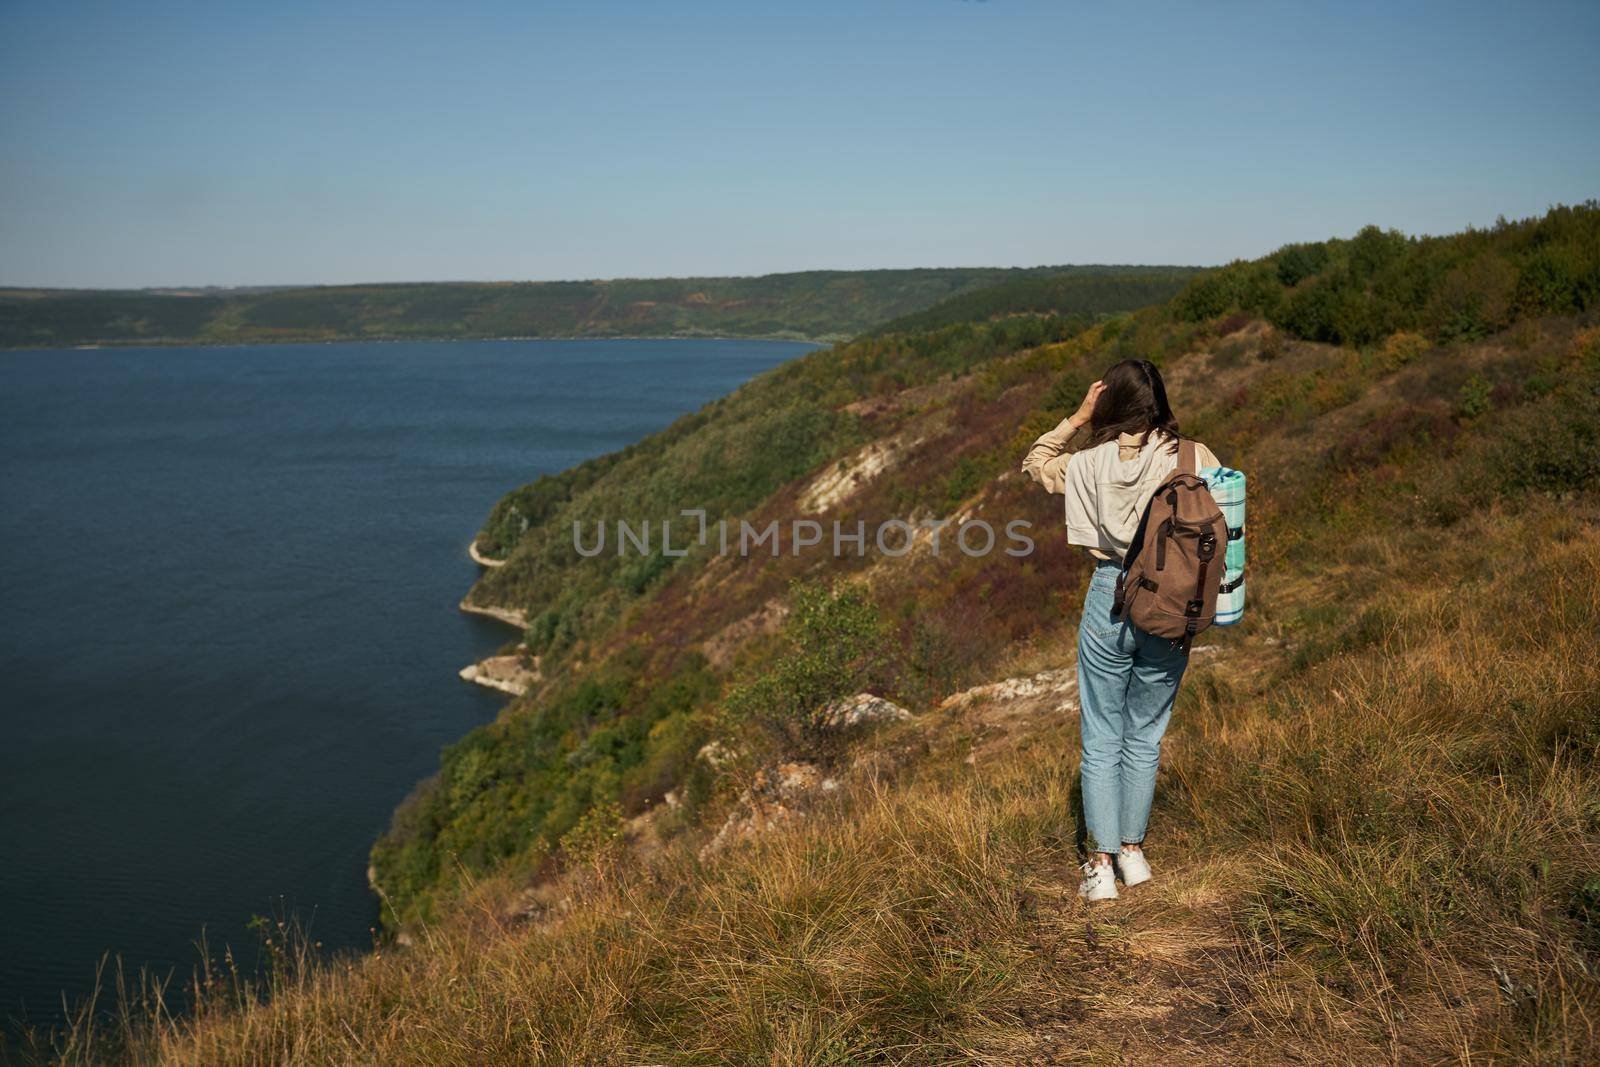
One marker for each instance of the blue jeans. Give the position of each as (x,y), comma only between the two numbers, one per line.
(1127,681)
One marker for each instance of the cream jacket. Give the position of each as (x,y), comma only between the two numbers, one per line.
(1106,487)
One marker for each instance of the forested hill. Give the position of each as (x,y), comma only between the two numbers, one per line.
(810,305)
(1079,293)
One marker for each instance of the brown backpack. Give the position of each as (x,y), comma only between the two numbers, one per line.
(1170,577)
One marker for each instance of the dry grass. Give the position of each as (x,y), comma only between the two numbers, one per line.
(1375,854)
(1422,808)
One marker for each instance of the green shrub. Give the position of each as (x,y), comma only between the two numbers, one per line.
(597,837)
(1474,397)
(1374,250)
(1473,300)
(1296,263)
(965,476)
(1553,445)
(835,642)
(1403,348)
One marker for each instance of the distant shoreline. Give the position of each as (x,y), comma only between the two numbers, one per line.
(810,307)
(92,345)
(509,616)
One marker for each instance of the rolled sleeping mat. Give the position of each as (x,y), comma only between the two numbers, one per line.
(1227,489)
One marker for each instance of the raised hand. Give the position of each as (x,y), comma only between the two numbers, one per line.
(1086,409)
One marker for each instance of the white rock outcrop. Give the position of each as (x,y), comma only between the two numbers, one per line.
(776,798)
(1045,684)
(509,674)
(479,558)
(860,710)
(509,616)
(842,478)
(717,755)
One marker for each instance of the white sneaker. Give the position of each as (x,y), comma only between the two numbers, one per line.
(1099,882)
(1135,868)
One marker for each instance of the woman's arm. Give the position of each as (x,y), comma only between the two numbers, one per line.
(1046,462)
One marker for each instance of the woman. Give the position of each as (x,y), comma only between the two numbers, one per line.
(1127,679)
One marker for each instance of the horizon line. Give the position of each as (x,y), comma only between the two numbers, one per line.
(240,286)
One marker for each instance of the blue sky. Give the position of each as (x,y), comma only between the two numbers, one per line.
(214,143)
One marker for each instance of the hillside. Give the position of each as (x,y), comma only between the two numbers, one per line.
(1377,829)
(817,305)
(1071,294)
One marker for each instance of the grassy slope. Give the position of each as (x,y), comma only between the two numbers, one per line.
(637,651)
(813,304)
(1376,832)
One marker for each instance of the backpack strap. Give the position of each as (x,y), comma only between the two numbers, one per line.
(1188,461)
(1207,551)
(1119,597)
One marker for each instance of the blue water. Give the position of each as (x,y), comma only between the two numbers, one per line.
(229,637)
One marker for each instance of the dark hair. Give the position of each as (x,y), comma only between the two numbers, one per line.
(1133,400)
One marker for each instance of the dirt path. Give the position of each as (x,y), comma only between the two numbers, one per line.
(1158,955)
(1164,956)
